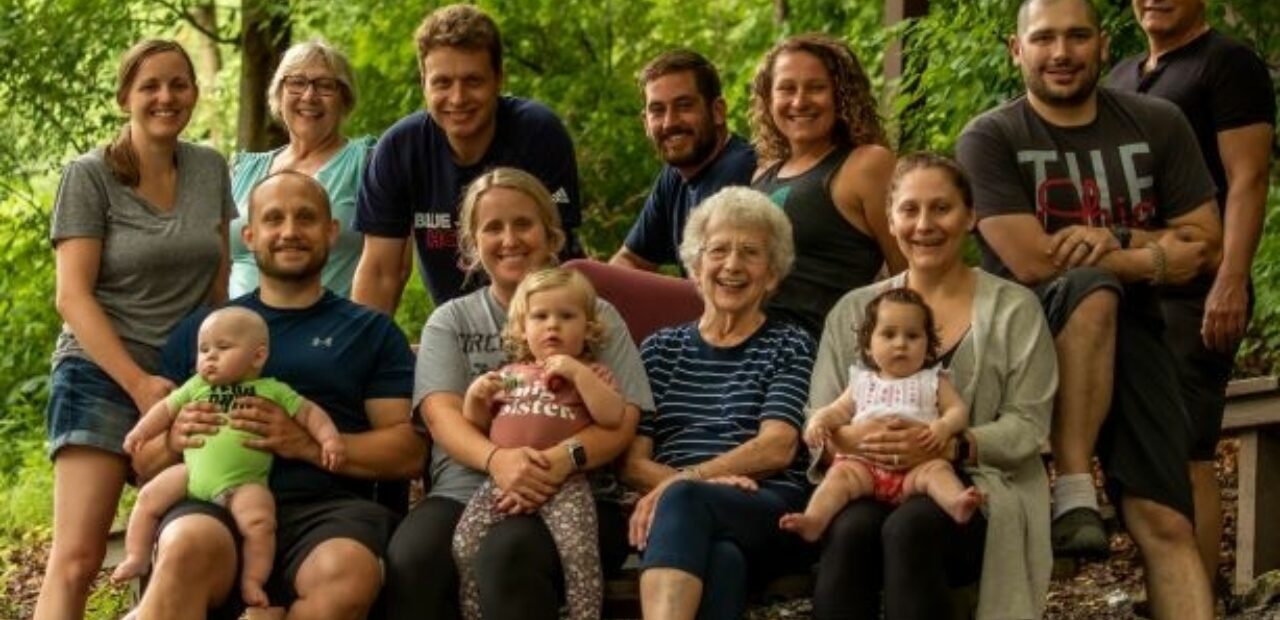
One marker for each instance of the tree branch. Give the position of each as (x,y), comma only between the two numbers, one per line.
(185,15)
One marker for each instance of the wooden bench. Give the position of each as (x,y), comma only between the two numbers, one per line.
(1253,415)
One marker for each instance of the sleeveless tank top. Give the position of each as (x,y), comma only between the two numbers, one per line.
(832,256)
(914,397)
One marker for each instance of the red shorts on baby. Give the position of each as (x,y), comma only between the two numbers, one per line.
(886,484)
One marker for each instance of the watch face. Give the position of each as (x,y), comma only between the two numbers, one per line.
(579,456)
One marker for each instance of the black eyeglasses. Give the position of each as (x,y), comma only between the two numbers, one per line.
(298,84)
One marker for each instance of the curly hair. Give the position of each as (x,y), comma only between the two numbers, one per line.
(462,26)
(514,341)
(900,295)
(857,121)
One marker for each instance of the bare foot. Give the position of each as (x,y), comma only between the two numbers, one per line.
(964,504)
(253,594)
(130,568)
(807,527)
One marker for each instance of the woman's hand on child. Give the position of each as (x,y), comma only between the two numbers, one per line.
(899,445)
(523,474)
(192,423)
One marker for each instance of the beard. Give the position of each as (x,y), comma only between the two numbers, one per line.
(704,144)
(312,268)
(1064,97)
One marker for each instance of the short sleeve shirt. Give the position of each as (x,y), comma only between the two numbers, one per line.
(712,399)
(658,229)
(156,266)
(1217,82)
(463,340)
(413,185)
(336,353)
(340,177)
(534,411)
(1136,164)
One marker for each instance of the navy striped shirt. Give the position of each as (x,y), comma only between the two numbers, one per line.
(711,399)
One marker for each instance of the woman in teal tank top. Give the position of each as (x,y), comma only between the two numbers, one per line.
(823,161)
(312,92)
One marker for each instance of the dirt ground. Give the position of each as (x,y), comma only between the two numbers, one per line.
(1098,591)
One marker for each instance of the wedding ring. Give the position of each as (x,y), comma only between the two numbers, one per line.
(895,459)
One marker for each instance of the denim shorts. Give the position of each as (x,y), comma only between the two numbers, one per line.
(87,408)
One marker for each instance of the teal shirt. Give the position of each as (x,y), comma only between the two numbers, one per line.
(340,176)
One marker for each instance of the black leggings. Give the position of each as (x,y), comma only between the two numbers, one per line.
(915,553)
(517,566)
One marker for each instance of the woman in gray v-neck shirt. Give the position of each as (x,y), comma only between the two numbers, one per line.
(139,235)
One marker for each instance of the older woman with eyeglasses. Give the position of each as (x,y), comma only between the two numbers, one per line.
(312,92)
(718,458)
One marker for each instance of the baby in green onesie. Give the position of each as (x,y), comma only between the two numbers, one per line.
(232,351)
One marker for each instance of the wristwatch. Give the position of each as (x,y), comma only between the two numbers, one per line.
(1123,235)
(577,453)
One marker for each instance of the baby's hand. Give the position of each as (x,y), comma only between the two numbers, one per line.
(561,366)
(817,433)
(933,437)
(486,386)
(133,442)
(333,453)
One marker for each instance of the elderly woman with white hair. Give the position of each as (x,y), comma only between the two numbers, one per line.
(718,459)
(312,92)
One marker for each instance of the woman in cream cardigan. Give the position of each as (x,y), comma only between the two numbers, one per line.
(1000,356)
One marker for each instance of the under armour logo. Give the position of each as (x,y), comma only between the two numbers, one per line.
(322,342)
(561,197)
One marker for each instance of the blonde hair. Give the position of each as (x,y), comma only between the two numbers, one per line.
(315,51)
(120,155)
(514,339)
(514,179)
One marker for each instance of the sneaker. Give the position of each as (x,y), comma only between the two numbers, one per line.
(1079,533)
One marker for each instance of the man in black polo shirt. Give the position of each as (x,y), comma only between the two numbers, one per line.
(1225,91)
(684,116)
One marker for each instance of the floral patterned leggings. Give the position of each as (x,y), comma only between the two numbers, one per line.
(570,515)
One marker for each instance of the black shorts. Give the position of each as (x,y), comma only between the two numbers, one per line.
(300,527)
(1145,443)
(1202,373)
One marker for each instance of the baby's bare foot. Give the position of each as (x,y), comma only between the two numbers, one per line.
(807,527)
(965,504)
(130,568)
(253,594)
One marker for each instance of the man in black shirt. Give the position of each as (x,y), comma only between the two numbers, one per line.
(1225,91)
(1093,197)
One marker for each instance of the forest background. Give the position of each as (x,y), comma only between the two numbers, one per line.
(580,57)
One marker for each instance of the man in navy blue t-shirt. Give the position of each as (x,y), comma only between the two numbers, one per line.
(420,168)
(684,116)
(356,364)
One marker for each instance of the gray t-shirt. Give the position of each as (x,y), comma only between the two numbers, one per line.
(1136,164)
(155,266)
(463,340)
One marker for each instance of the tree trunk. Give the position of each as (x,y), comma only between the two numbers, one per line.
(264,36)
(208,57)
(894,64)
